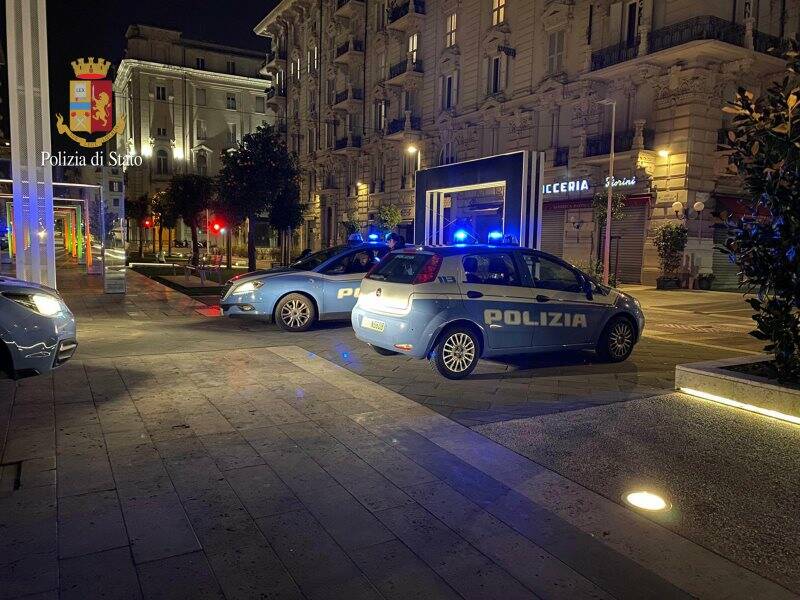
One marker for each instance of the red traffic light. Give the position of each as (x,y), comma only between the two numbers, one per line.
(148,223)
(216,227)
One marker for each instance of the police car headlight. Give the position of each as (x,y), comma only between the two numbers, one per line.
(246,288)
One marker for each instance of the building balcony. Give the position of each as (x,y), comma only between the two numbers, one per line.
(328,187)
(706,27)
(274,61)
(348,8)
(348,99)
(276,97)
(561,156)
(406,15)
(350,51)
(347,145)
(377,186)
(404,71)
(407,126)
(600,145)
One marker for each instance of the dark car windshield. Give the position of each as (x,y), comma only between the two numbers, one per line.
(312,261)
(399,267)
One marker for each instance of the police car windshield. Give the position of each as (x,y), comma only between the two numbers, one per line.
(399,268)
(312,261)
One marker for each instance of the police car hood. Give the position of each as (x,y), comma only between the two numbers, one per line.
(262,274)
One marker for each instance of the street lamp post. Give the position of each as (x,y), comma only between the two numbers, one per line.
(607,237)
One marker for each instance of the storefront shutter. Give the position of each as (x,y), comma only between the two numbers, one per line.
(726,273)
(553,231)
(627,244)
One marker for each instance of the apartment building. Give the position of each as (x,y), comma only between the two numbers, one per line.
(185,102)
(370,91)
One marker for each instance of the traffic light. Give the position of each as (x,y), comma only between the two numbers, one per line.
(147,223)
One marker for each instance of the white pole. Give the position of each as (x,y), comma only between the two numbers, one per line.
(607,239)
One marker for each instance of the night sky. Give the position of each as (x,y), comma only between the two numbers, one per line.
(81,28)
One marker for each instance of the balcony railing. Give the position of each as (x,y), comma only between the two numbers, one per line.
(354,142)
(401,10)
(273,91)
(599,145)
(354,94)
(706,27)
(613,55)
(403,66)
(356,46)
(396,125)
(698,28)
(561,157)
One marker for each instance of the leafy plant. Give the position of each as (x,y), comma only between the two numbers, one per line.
(595,269)
(670,242)
(600,204)
(351,225)
(388,217)
(765,242)
(260,177)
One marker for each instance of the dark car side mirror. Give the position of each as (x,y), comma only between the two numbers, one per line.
(587,288)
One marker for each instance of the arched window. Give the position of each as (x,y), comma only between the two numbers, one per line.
(448,154)
(162,166)
(202,163)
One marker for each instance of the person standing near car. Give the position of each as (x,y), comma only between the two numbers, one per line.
(395,242)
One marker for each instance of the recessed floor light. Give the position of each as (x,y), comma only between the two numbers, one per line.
(646,501)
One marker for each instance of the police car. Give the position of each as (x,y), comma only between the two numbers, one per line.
(456,304)
(321,286)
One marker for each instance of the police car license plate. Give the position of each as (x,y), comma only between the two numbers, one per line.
(368,323)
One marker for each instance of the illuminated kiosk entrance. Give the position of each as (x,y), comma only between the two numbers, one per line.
(471,200)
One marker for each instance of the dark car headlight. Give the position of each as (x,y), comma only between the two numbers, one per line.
(41,303)
(246,288)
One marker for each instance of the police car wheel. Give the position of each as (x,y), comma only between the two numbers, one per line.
(383,351)
(616,342)
(457,353)
(295,312)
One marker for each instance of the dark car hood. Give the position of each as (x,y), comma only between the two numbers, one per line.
(10,283)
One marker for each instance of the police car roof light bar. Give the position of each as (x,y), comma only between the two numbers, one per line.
(373,237)
(495,235)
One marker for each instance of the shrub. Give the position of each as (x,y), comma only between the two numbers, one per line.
(670,241)
(765,243)
(388,217)
(600,203)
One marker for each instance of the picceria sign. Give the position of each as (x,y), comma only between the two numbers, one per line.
(562,187)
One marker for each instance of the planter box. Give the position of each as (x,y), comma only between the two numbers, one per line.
(758,393)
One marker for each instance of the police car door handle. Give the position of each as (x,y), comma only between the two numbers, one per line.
(474,294)
(541,298)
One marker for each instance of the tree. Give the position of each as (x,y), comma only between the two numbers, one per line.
(351,225)
(765,242)
(168,216)
(388,217)
(190,195)
(138,209)
(600,203)
(670,242)
(260,177)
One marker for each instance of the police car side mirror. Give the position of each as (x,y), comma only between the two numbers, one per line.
(587,288)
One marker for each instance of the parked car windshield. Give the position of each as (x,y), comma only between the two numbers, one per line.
(312,261)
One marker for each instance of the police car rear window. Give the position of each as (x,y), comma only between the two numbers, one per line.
(399,268)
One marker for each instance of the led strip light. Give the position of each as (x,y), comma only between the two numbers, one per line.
(736,404)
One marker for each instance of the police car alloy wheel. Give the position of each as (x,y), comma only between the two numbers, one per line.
(457,353)
(616,343)
(383,351)
(295,312)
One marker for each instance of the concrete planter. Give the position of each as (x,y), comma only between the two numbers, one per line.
(757,393)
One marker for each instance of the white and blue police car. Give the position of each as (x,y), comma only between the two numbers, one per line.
(456,304)
(321,286)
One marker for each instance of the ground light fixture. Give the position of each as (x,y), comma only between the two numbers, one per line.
(646,501)
(742,405)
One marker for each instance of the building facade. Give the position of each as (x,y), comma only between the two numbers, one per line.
(370,91)
(185,102)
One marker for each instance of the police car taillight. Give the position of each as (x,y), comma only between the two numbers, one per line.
(429,271)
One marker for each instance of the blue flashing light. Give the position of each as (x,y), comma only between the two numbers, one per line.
(373,237)
(461,235)
(495,236)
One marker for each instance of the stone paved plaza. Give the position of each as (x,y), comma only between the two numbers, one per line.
(180,455)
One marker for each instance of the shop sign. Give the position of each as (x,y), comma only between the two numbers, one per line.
(624,182)
(564,187)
